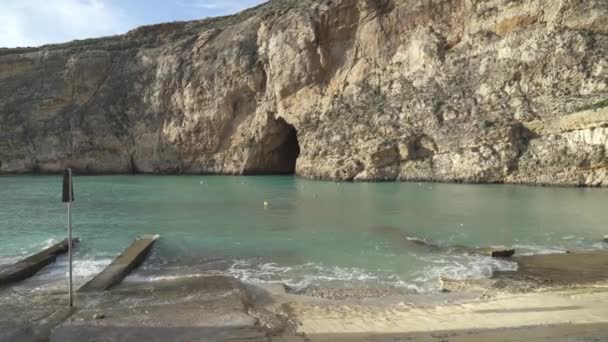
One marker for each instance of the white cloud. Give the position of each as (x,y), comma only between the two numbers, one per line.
(38,22)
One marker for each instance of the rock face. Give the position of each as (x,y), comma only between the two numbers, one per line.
(443,90)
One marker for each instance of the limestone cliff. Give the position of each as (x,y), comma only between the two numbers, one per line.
(445,90)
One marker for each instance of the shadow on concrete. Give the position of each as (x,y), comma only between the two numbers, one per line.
(153,334)
(541,309)
(561,332)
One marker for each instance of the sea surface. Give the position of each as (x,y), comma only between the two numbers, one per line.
(308,234)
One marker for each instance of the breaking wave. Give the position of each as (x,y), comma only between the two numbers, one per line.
(300,277)
(423,277)
(82,268)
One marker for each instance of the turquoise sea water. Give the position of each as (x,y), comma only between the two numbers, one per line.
(311,233)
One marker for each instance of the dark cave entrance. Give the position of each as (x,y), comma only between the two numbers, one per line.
(285,153)
(277,152)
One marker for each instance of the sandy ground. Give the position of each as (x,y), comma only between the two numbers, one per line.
(562,333)
(578,314)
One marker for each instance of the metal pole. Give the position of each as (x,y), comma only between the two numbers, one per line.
(70,235)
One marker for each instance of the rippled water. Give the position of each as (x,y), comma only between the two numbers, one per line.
(311,233)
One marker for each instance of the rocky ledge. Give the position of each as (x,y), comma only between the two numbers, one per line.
(446,90)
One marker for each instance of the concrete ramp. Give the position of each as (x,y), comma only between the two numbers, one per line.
(31,265)
(495,252)
(131,258)
(566,268)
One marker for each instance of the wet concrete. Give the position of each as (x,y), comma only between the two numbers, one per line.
(561,269)
(209,308)
(131,258)
(29,313)
(31,265)
(206,308)
(212,308)
(501,252)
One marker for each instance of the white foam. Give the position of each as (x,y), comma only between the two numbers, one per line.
(298,276)
(137,278)
(81,268)
(534,249)
(27,251)
(461,268)
(9,260)
(315,274)
(48,243)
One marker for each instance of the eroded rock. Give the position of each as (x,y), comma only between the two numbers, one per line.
(467,91)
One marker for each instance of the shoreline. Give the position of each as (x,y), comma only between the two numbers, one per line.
(312,179)
(537,265)
(554,295)
(265,313)
(215,307)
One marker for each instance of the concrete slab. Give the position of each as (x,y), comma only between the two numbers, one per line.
(208,308)
(31,265)
(565,268)
(495,252)
(131,258)
(31,321)
(562,332)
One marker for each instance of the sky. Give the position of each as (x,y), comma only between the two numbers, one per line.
(37,22)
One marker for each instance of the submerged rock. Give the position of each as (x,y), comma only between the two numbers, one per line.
(463,91)
(574,268)
(344,293)
(495,252)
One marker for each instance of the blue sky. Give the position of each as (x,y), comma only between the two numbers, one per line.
(39,22)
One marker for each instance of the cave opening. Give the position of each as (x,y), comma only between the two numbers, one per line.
(276,153)
(285,154)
